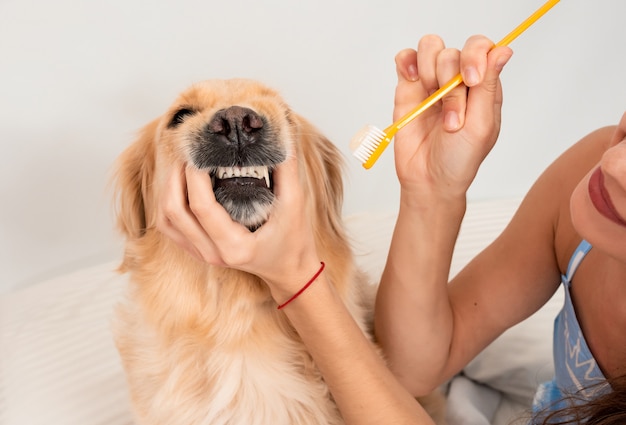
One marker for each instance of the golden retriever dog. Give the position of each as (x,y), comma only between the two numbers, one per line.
(205,345)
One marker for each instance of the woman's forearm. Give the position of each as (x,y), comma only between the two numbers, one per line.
(363,387)
(413,319)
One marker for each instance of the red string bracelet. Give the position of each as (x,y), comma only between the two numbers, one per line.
(315,276)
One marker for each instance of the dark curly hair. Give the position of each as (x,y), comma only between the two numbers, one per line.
(606,409)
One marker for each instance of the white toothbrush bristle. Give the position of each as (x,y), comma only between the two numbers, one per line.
(365,142)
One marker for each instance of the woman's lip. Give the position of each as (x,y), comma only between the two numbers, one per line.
(601,199)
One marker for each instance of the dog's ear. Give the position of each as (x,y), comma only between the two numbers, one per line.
(324,167)
(133,177)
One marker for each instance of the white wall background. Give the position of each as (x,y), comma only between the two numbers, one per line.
(78,78)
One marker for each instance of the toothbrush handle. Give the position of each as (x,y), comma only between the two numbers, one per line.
(436,96)
(527,23)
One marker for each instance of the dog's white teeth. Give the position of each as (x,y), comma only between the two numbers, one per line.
(266,176)
(254,172)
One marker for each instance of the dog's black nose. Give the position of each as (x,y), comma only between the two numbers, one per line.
(237,125)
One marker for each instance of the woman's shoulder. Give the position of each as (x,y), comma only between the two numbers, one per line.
(544,215)
(584,154)
(554,188)
(561,177)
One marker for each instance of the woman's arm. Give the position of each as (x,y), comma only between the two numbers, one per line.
(437,157)
(431,328)
(363,387)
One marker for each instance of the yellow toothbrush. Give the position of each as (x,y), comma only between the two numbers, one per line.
(369,143)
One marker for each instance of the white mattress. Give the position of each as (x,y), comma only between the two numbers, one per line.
(58,364)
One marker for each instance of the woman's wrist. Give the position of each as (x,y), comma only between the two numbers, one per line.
(423,240)
(433,205)
(295,280)
(304,287)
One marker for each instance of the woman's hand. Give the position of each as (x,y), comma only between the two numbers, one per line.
(440,151)
(282,251)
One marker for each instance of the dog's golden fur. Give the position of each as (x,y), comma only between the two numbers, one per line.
(203,344)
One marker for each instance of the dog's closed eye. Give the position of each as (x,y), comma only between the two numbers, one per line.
(179,117)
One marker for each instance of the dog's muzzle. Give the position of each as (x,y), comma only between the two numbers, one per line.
(240,148)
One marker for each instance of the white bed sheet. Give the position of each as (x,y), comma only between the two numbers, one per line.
(58,364)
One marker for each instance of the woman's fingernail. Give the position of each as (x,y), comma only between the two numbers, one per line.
(470,76)
(412,71)
(501,61)
(452,120)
